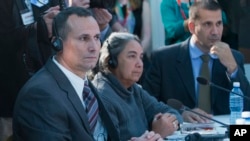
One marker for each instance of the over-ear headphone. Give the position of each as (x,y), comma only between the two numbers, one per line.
(57,43)
(112,62)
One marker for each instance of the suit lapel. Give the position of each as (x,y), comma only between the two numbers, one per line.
(66,86)
(75,101)
(184,68)
(113,134)
(217,70)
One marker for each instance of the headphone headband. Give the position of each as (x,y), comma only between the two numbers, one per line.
(57,43)
(112,62)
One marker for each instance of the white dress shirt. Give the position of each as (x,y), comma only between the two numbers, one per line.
(100,133)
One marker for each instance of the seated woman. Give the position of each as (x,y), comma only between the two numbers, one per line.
(131,108)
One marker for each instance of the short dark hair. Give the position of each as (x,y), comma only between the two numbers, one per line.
(60,24)
(203,4)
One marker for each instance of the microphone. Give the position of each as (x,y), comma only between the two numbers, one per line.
(204,81)
(176,104)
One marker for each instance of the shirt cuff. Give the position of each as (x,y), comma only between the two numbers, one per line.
(103,32)
(233,75)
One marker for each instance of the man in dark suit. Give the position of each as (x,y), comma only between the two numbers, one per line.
(25,47)
(238,15)
(175,68)
(54,104)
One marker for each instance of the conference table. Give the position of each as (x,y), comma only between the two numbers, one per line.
(218,132)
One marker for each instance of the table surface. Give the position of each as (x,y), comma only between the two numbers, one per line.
(177,136)
(223,119)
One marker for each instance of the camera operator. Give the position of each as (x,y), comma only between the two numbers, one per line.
(20,55)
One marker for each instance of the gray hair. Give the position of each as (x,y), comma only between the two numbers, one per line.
(112,47)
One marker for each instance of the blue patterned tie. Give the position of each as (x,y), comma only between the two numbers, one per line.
(91,106)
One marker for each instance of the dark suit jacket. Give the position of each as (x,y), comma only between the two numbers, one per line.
(21,52)
(171,76)
(238,15)
(48,109)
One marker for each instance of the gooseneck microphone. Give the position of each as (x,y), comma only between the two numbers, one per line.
(204,81)
(176,104)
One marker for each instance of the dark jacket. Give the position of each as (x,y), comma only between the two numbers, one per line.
(48,108)
(238,15)
(171,76)
(132,110)
(23,50)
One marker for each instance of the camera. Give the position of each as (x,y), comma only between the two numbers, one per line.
(106,4)
(62,4)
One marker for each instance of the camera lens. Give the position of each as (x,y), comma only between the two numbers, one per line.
(107,4)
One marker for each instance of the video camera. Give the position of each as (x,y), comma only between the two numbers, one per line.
(107,4)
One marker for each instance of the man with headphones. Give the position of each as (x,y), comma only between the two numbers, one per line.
(52,104)
(26,46)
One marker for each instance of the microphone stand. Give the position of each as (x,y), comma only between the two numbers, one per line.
(187,109)
(184,108)
(219,87)
(204,81)
(176,104)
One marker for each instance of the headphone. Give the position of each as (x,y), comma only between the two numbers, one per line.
(112,62)
(57,42)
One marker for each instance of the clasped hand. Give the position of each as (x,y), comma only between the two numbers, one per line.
(165,124)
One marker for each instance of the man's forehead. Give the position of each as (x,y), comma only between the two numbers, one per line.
(210,14)
(74,17)
(86,26)
(75,20)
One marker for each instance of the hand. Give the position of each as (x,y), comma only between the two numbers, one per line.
(102,16)
(117,27)
(223,51)
(165,124)
(48,18)
(148,136)
(194,118)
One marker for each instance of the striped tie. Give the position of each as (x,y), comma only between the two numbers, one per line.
(91,106)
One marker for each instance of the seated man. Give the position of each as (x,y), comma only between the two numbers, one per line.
(175,68)
(53,105)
